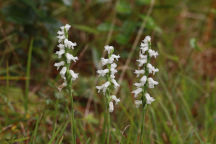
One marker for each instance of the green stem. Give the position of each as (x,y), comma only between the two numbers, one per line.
(108,126)
(105,122)
(73,130)
(107,119)
(142,125)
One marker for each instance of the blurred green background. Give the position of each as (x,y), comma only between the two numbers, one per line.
(183,31)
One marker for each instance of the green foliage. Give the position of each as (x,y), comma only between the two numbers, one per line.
(184,110)
(123,7)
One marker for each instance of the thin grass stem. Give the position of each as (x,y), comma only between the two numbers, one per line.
(73,130)
(28,76)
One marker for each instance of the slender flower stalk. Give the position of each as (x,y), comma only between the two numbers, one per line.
(107,88)
(145,71)
(65,58)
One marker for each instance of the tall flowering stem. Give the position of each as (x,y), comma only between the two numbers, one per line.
(107,88)
(145,71)
(65,57)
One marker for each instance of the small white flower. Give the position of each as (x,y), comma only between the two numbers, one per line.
(115,83)
(139,84)
(115,99)
(69,44)
(152,53)
(113,56)
(60,53)
(152,69)
(103,87)
(144,47)
(143,56)
(61,46)
(59,64)
(67,27)
(113,65)
(74,75)
(149,99)
(60,38)
(143,79)
(102,72)
(104,61)
(112,76)
(136,92)
(139,72)
(147,39)
(113,69)
(152,83)
(60,32)
(138,103)
(109,49)
(71,57)
(142,60)
(62,72)
(111,106)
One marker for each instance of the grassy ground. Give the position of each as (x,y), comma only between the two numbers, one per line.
(182,32)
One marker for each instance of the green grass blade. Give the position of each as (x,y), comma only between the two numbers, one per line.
(28,68)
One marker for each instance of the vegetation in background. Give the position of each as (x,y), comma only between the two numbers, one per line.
(183,33)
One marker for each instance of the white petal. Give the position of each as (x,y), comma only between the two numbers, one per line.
(147,39)
(67,27)
(113,65)
(138,103)
(138,84)
(71,57)
(136,92)
(74,75)
(69,44)
(111,107)
(149,99)
(104,61)
(60,53)
(60,32)
(143,79)
(62,72)
(152,69)
(103,87)
(143,49)
(61,46)
(60,38)
(113,56)
(152,83)
(115,99)
(142,61)
(115,83)
(109,49)
(59,64)
(102,72)
(152,53)
(138,72)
